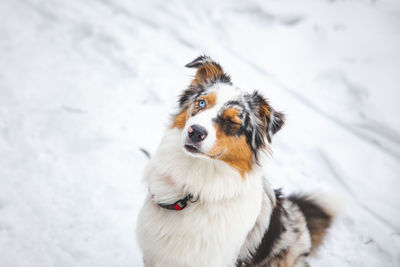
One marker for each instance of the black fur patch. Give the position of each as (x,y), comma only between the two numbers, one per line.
(257,131)
(318,220)
(228,127)
(268,121)
(271,236)
(274,120)
(247,126)
(190,94)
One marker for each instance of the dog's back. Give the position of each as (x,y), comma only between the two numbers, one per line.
(297,226)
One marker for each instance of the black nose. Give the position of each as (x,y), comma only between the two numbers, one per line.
(197,133)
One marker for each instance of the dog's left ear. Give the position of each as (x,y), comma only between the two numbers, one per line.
(208,71)
(273,120)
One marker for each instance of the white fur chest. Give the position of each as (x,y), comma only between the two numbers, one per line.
(209,232)
(200,235)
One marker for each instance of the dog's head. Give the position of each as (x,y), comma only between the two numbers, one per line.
(220,122)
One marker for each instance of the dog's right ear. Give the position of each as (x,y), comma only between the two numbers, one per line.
(208,72)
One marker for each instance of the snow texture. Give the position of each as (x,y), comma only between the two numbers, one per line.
(85,84)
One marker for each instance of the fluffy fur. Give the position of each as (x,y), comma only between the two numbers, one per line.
(214,151)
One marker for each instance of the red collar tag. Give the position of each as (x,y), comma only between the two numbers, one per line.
(179,205)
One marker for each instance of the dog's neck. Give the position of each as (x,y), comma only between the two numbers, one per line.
(172,174)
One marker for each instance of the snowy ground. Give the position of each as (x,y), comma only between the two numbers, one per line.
(84,84)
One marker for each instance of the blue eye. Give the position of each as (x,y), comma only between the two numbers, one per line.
(202,104)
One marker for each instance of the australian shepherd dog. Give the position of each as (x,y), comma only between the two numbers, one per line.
(208,204)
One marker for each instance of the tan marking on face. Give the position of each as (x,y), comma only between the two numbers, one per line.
(207,73)
(232,115)
(210,99)
(180,119)
(235,151)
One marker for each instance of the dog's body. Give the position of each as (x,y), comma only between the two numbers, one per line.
(212,156)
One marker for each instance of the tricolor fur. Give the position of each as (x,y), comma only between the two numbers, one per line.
(214,151)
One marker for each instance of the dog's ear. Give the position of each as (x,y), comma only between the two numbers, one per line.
(272,120)
(208,71)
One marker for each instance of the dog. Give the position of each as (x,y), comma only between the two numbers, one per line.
(208,203)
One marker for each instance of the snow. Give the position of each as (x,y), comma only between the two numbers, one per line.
(85,84)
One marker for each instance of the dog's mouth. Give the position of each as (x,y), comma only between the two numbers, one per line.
(192,149)
(195,150)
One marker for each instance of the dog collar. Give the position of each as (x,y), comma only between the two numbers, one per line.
(178,205)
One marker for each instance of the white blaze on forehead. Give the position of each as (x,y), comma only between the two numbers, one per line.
(224,93)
